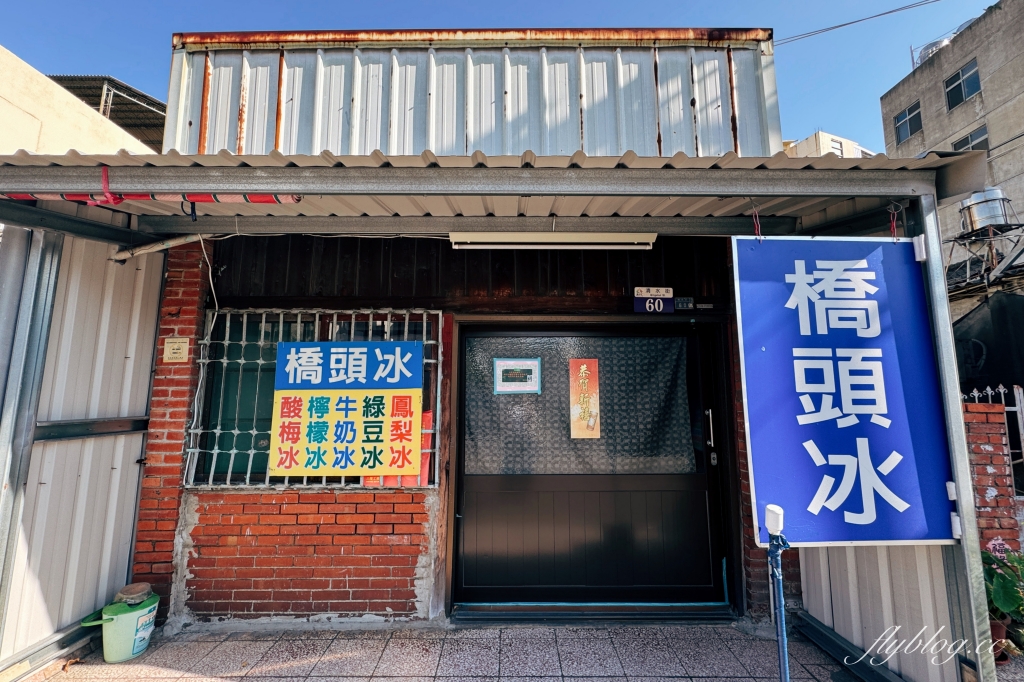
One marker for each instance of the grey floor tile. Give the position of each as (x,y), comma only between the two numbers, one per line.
(636,632)
(199,636)
(589,658)
(524,656)
(594,679)
(171,660)
(528,632)
(409,658)
(568,633)
(474,633)
(703,660)
(255,636)
(92,667)
(420,633)
(827,673)
(309,634)
(530,679)
(349,657)
(657,679)
(291,657)
(647,657)
(257,678)
(761,659)
(399,679)
(336,679)
(809,654)
(469,658)
(230,659)
(379,633)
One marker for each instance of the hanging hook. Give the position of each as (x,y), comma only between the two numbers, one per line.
(757,220)
(894,209)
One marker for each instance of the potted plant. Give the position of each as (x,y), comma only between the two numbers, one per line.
(1004,587)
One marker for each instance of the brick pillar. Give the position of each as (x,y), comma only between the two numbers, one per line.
(186,287)
(755,559)
(990,470)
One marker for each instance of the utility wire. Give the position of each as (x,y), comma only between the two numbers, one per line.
(792,39)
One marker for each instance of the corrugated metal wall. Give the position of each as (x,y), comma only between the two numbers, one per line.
(861,591)
(75,539)
(551,101)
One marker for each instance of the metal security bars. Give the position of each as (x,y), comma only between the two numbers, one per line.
(228,442)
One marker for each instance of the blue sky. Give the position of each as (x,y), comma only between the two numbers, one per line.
(831,82)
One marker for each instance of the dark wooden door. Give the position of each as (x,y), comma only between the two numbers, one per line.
(626,518)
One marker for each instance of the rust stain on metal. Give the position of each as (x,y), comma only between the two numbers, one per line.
(733,121)
(204,110)
(243,96)
(657,101)
(280,102)
(616,36)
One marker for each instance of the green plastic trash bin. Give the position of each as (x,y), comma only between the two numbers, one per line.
(127,623)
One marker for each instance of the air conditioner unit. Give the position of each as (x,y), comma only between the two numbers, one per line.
(626,241)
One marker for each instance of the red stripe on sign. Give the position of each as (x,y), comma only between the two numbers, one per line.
(20,197)
(77,197)
(138,197)
(201,198)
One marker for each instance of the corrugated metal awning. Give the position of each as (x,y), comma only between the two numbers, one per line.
(353,189)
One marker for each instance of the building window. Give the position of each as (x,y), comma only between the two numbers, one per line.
(837,147)
(976,140)
(963,85)
(908,122)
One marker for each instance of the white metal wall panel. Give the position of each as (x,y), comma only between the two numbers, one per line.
(675,91)
(260,71)
(485,104)
(100,352)
(561,91)
(523,111)
(862,591)
(604,101)
(408,132)
(371,73)
(447,122)
(750,128)
(334,100)
(714,111)
(637,102)
(75,538)
(298,104)
(225,95)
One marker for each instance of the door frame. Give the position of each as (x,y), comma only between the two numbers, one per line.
(722,402)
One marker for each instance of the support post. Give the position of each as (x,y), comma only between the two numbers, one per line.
(776,543)
(945,351)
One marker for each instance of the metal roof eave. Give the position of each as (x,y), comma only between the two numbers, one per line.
(726,182)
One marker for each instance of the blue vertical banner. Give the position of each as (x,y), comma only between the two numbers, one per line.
(845,426)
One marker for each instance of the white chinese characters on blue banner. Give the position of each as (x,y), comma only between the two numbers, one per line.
(336,366)
(845,424)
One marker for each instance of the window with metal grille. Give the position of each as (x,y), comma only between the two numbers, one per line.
(976,140)
(907,122)
(229,438)
(963,85)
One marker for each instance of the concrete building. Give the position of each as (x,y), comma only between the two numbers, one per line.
(38,115)
(822,143)
(966,93)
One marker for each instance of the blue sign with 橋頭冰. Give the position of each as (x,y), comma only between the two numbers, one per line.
(845,424)
(349,365)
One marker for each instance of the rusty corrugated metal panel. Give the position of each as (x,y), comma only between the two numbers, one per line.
(469,37)
(599,100)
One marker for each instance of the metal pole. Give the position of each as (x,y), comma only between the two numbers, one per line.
(942,328)
(777,543)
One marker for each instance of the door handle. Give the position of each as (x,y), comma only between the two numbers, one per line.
(711,428)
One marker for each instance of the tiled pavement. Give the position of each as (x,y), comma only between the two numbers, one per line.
(702,653)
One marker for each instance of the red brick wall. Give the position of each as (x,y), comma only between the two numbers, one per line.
(300,553)
(186,287)
(755,559)
(990,469)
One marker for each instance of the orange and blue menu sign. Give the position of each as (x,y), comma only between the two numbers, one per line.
(347,409)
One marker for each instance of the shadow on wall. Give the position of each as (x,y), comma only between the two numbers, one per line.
(990,343)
